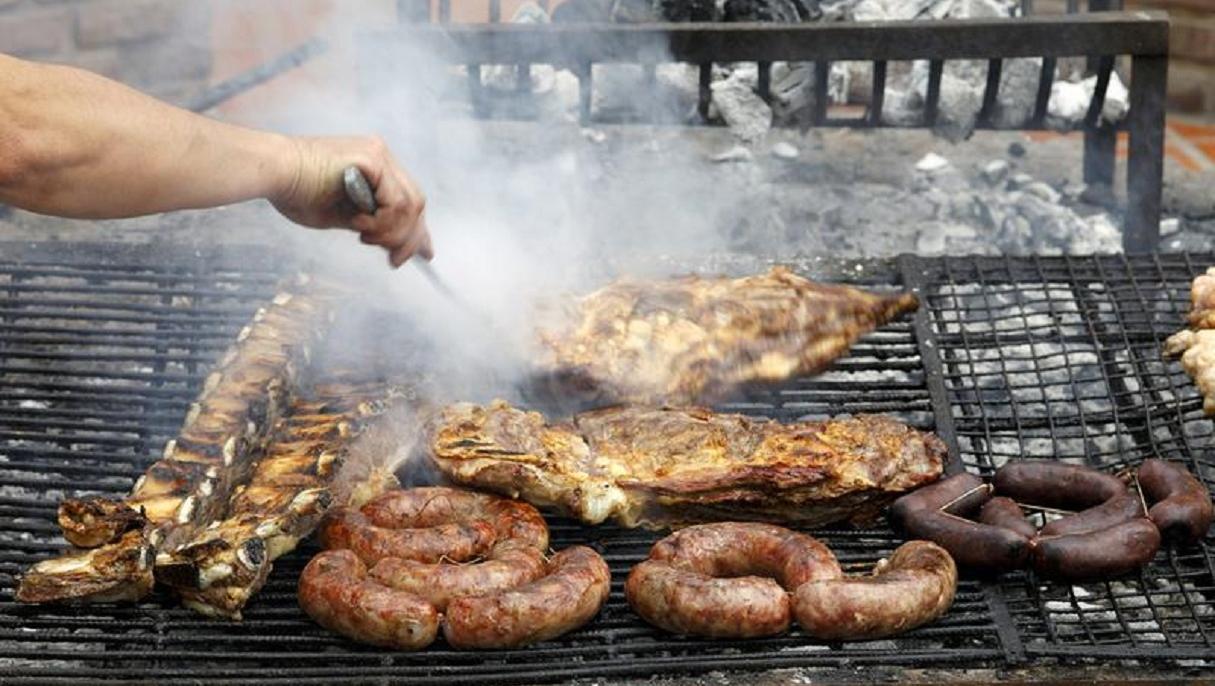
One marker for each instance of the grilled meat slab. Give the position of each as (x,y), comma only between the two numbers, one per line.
(691,339)
(647,466)
(219,569)
(190,486)
(1196,345)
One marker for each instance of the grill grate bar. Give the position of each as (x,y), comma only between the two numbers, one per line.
(1043,357)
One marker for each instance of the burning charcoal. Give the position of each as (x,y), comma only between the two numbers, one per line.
(1016,149)
(781,11)
(995,171)
(688,10)
(931,162)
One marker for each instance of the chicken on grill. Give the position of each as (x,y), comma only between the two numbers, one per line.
(1196,345)
(693,339)
(191,485)
(646,466)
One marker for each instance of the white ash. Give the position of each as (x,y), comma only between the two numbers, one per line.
(747,115)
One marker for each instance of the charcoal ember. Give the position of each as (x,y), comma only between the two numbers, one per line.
(688,10)
(786,11)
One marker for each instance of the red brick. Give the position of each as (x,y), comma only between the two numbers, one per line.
(35,33)
(107,22)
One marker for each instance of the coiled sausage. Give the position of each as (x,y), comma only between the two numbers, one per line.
(1183,508)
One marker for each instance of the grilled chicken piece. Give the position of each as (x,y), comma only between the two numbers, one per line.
(655,467)
(691,339)
(223,565)
(191,485)
(1196,345)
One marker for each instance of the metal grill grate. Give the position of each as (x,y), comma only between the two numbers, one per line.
(99,361)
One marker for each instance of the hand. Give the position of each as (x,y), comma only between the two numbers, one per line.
(313,195)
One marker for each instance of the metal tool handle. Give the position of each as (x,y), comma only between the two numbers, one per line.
(358,190)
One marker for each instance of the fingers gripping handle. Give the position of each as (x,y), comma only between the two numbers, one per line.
(358,190)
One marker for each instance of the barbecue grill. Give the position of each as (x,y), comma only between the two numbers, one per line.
(1101,35)
(101,352)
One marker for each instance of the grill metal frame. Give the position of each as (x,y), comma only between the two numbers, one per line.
(1102,35)
(1057,355)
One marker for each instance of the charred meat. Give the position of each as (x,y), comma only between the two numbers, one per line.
(191,485)
(645,466)
(1196,345)
(693,339)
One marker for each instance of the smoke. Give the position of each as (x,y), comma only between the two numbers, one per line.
(519,211)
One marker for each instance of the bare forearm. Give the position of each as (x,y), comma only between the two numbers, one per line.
(76,144)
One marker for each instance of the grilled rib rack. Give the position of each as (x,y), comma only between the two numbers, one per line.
(1008,357)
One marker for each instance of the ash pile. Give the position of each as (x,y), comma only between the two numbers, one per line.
(736,102)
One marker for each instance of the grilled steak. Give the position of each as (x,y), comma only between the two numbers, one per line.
(691,339)
(1196,345)
(191,485)
(223,565)
(646,466)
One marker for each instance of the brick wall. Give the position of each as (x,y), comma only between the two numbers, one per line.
(1192,44)
(159,46)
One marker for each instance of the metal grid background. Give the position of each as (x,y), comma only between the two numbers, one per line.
(100,354)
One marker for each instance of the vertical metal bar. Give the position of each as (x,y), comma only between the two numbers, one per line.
(523,78)
(1027,7)
(476,94)
(495,11)
(1046,80)
(992,91)
(933,100)
(878,97)
(585,84)
(1099,144)
(822,75)
(1105,66)
(1145,164)
(444,11)
(765,80)
(1073,6)
(705,93)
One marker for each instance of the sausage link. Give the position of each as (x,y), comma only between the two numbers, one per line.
(978,547)
(1122,507)
(575,587)
(687,602)
(966,491)
(1109,552)
(509,565)
(914,587)
(1005,512)
(351,529)
(433,505)
(335,592)
(1183,508)
(737,549)
(1056,484)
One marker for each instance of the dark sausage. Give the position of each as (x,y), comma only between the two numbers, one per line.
(334,590)
(1122,507)
(1056,484)
(574,588)
(1005,512)
(1104,554)
(977,547)
(1182,508)
(966,489)
(914,587)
